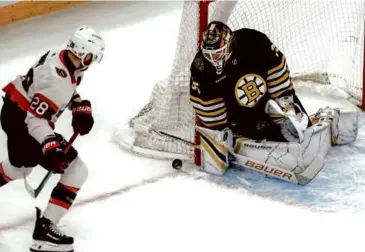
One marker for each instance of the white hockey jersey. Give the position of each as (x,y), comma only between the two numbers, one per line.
(45,92)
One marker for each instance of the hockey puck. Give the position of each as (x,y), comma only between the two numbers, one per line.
(177,164)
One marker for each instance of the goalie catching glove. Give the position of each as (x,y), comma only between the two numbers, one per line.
(82,119)
(283,111)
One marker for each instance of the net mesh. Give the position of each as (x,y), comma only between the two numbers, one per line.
(323,42)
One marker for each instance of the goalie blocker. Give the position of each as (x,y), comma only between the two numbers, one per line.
(295,162)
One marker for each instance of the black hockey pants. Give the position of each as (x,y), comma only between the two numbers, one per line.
(23,149)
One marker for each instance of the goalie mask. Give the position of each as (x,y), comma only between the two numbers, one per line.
(87,45)
(216,45)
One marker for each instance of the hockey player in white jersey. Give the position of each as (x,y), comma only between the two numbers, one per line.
(32,104)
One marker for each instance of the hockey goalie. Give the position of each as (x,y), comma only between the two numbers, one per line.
(249,113)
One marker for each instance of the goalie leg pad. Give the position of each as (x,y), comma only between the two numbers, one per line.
(214,150)
(344,123)
(344,126)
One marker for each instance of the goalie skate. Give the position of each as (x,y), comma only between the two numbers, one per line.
(48,238)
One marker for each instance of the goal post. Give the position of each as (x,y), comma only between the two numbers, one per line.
(323,42)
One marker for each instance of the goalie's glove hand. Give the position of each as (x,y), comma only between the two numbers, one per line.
(82,119)
(55,157)
(293,127)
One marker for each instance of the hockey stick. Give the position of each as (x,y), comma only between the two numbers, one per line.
(161,133)
(35,192)
(302,178)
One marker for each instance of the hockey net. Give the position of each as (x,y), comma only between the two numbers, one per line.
(323,42)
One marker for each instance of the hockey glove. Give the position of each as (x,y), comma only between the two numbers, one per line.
(82,119)
(72,153)
(56,160)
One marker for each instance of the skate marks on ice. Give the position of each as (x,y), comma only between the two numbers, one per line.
(22,222)
(188,172)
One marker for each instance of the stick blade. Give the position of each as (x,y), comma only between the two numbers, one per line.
(29,189)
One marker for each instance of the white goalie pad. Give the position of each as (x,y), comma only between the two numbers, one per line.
(290,156)
(215,147)
(289,161)
(344,126)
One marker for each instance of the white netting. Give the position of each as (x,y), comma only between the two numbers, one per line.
(323,42)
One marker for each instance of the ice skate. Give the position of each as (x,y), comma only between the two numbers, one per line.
(47,237)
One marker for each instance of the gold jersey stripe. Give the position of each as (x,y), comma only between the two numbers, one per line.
(278,94)
(213,113)
(208,119)
(208,108)
(209,125)
(277,68)
(282,79)
(281,86)
(210,102)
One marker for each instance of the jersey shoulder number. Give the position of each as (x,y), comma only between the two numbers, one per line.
(195,86)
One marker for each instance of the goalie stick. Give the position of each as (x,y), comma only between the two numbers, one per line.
(35,192)
(302,178)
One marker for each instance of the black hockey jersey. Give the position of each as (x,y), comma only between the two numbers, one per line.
(255,72)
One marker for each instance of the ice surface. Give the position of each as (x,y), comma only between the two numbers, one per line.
(130,203)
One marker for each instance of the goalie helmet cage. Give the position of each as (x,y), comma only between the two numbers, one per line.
(323,42)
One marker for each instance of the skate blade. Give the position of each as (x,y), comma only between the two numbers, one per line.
(42,246)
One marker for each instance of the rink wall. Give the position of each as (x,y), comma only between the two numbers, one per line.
(13,11)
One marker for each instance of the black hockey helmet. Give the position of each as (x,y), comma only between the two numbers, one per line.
(216,44)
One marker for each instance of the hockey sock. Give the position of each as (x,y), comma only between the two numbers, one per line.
(61,200)
(4,179)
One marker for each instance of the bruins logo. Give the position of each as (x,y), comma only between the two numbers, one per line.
(199,63)
(250,88)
